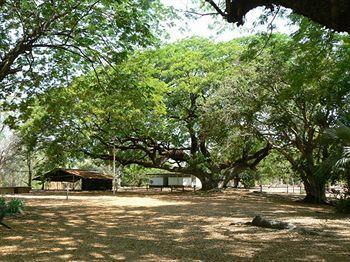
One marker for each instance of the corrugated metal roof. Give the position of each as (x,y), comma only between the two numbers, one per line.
(168,174)
(88,174)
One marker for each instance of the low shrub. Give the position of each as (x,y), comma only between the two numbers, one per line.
(10,208)
(15,206)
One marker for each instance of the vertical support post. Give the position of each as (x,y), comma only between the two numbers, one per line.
(287,189)
(260,188)
(293,184)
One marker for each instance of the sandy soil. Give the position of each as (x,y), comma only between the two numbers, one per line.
(164,226)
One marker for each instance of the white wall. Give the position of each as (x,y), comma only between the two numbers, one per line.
(156,181)
(196,182)
(180,181)
(189,181)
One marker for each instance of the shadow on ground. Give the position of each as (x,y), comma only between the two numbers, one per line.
(171,226)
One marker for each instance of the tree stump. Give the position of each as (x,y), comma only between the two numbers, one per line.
(260,221)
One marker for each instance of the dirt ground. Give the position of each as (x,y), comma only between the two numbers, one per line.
(164,226)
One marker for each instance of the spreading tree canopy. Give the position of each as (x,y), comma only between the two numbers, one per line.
(153,111)
(44,43)
(291,95)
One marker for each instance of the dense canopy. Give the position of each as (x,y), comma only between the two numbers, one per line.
(94,85)
(101,106)
(214,110)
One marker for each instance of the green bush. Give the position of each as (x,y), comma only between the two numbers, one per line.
(12,207)
(343,206)
(15,206)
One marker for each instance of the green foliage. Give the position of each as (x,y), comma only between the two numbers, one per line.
(14,206)
(44,44)
(134,175)
(248,178)
(10,208)
(274,168)
(204,108)
(284,96)
(149,107)
(341,134)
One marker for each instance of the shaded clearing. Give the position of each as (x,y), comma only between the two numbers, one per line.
(165,226)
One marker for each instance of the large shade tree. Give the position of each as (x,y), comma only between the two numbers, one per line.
(153,113)
(285,96)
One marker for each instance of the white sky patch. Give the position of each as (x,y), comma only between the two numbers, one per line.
(217,28)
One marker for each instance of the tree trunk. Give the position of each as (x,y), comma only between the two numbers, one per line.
(315,186)
(30,169)
(236,181)
(208,183)
(225,182)
(333,14)
(315,190)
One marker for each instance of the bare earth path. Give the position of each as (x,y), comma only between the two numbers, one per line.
(171,227)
